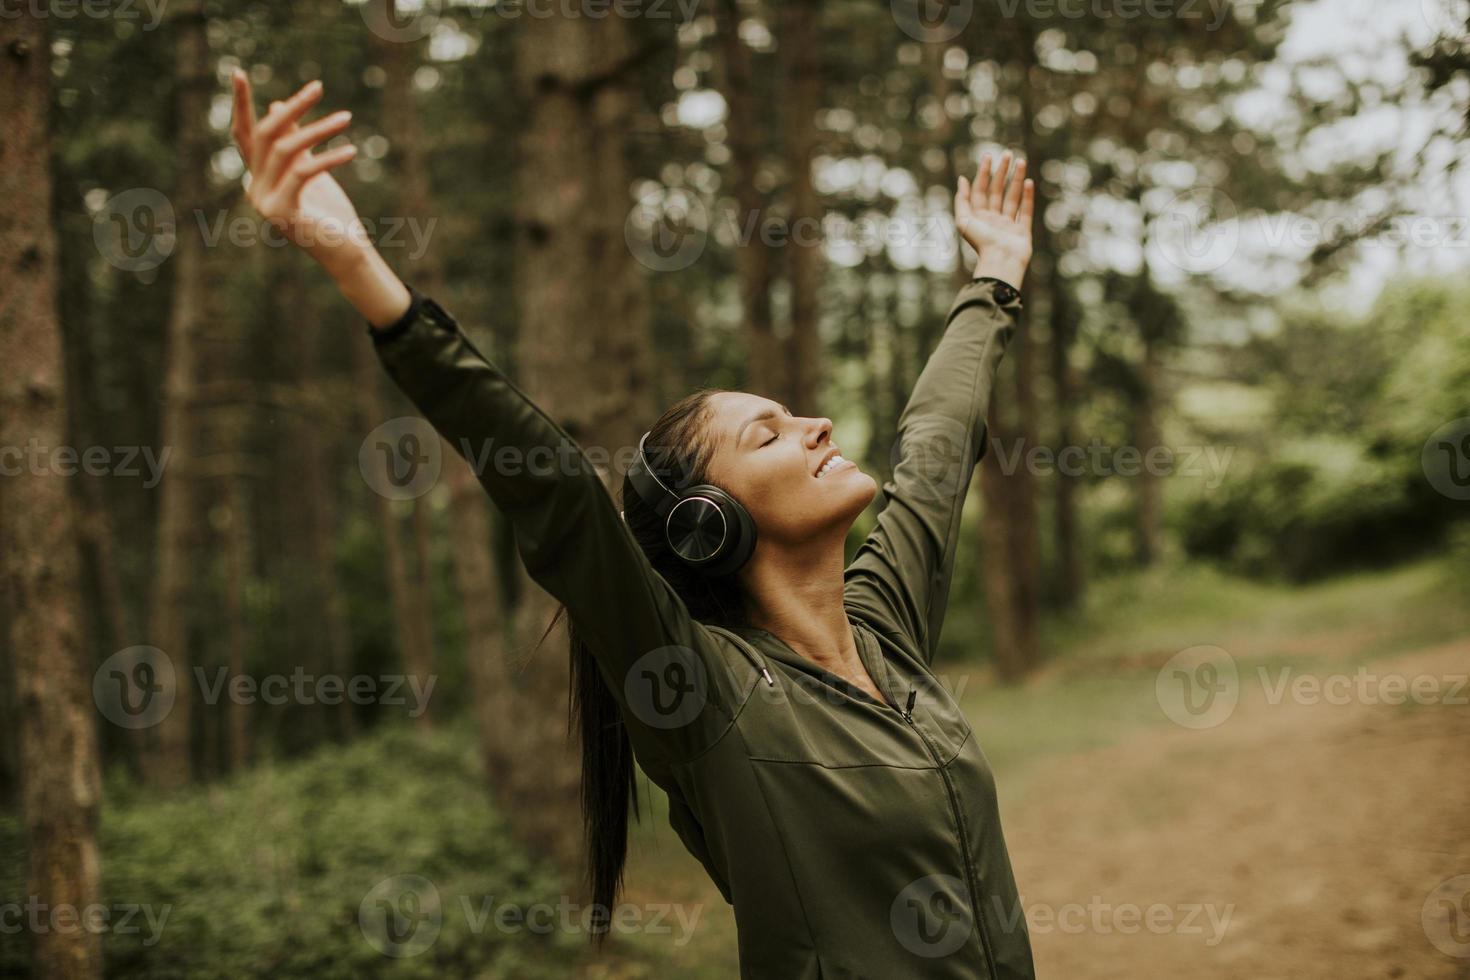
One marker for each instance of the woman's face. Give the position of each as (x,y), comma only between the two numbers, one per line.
(768,459)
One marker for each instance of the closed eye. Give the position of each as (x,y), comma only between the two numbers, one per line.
(771,440)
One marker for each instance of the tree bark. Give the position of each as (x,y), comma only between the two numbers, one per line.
(475,578)
(754,255)
(417,658)
(406,138)
(60,773)
(1068,573)
(167,764)
(584,340)
(237,574)
(800,49)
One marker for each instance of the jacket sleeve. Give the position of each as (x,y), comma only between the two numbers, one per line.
(899,579)
(664,668)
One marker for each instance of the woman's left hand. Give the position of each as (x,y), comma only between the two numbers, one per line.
(994,215)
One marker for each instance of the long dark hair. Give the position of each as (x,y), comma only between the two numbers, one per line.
(683,450)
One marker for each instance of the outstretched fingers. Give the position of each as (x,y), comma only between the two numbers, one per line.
(1013,192)
(242,124)
(280,119)
(981,188)
(286,149)
(313,164)
(998,183)
(1028,204)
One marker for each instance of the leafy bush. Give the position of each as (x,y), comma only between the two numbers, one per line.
(264,876)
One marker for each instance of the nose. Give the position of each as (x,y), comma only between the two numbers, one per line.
(819,430)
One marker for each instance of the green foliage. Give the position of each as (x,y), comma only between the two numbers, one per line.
(1339,481)
(264,876)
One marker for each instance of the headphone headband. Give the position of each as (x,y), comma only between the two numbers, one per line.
(653,490)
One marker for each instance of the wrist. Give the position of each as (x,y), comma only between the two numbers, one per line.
(373,289)
(1004,266)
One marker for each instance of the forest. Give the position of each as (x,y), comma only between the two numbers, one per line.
(274,679)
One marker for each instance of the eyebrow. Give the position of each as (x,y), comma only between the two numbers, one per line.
(768,413)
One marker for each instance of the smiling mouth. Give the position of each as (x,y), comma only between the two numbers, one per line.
(836,462)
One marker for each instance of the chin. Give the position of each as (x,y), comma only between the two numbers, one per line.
(857,497)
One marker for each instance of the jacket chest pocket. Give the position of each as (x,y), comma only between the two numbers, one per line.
(814,723)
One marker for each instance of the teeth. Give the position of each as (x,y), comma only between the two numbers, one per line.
(829,464)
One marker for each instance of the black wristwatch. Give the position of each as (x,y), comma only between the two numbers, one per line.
(1005,293)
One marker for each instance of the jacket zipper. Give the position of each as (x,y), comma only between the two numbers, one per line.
(907,714)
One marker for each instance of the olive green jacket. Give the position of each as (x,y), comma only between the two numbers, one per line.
(854,838)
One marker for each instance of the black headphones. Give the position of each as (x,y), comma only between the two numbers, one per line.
(705,527)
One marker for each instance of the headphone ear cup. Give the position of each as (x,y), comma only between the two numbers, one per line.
(697,529)
(736,541)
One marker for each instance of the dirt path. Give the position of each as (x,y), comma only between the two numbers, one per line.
(1294,840)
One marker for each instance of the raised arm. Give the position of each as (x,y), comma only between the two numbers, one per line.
(666,670)
(899,579)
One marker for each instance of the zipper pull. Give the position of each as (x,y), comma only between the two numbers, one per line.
(908,711)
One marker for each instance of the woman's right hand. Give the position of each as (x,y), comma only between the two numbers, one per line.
(289,184)
(291,188)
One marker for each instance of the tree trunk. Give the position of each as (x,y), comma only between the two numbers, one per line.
(584,340)
(1012,552)
(237,579)
(1068,572)
(475,576)
(1010,605)
(1148,538)
(318,502)
(800,48)
(406,138)
(1147,435)
(60,774)
(480,594)
(754,258)
(417,658)
(168,763)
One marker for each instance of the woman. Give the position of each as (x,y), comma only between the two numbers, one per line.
(786,703)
